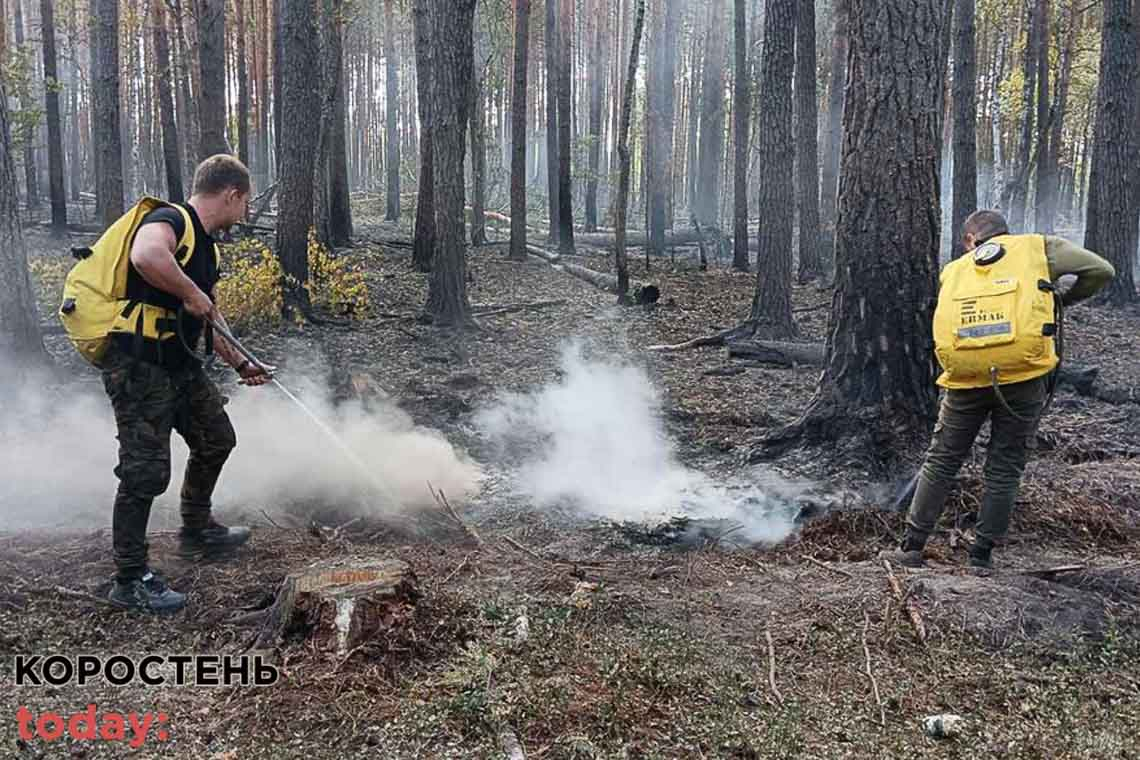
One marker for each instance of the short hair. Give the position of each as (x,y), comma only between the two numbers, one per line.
(220,172)
(984,225)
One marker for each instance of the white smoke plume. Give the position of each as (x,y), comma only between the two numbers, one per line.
(59,449)
(595,439)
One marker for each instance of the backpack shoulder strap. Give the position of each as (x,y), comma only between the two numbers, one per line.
(188,240)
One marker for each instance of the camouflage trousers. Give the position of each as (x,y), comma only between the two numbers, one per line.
(1011,437)
(150,401)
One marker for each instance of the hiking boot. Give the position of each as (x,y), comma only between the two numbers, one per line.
(980,558)
(215,540)
(146,594)
(907,555)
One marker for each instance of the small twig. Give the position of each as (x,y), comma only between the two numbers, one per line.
(441,500)
(348,656)
(871,675)
(772,665)
(825,566)
(63,591)
(1048,571)
(271,520)
(907,603)
(524,549)
(458,567)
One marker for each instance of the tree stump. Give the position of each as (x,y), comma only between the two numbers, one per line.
(340,603)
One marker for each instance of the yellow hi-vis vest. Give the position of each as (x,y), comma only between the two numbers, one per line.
(995,321)
(95,302)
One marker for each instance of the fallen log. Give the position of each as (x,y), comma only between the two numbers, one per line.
(339,604)
(642,293)
(775,352)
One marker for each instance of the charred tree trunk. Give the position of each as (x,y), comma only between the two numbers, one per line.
(519,132)
(552,69)
(1111,228)
(449,75)
(772,303)
(1018,186)
(300,133)
(340,208)
(211,95)
(965,197)
(19,321)
(597,73)
(423,248)
(807,146)
(55,137)
(243,85)
(1049,195)
(28,133)
(877,383)
(187,111)
(565,76)
(263,99)
(741,106)
(172,157)
(392,138)
(105,106)
(623,156)
(707,201)
(478,131)
(829,184)
(278,73)
(660,110)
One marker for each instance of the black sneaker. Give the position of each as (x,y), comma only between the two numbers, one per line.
(147,594)
(215,540)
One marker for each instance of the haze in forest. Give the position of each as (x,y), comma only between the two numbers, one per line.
(594,439)
(59,453)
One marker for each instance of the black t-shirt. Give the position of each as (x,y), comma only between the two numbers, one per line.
(201,269)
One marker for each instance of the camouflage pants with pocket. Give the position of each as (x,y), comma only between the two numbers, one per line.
(149,401)
(961,416)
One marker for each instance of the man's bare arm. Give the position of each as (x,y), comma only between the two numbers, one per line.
(153,257)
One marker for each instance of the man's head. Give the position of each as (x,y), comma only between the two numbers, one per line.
(982,225)
(221,191)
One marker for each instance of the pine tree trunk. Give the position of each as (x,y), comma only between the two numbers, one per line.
(622,204)
(772,302)
(597,74)
(263,99)
(707,204)
(340,208)
(172,159)
(741,108)
(833,145)
(278,74)
(1018,187)
(1044,150)
(519,131)
(552,68)
(55,138)
(300,132)
(1048,199)
(392,89)
(449,27)
(31,175)
(807,145)
(105,107)
(565,76)
(243,85)
(877,382)
(19,320)
(187,112)
(211,95)
(965,197)
(478,131)
(423,241)
(1111,228)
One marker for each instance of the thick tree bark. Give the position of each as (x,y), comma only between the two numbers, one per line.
(449,75)
(172,157)
(565,146)
(623,155)
(278,74)
(55,138)
(877,382)
(1111,228)
(1017,188)
(519,131)
(965,196)
(707,205)
(597,75)
(829,183)
(331,34)
(243,84)
(19,321)
(552,68)
(211,95)
(660,123)
(807,145)
(392,136)
(340,208)
(299,135)
(741,107)
(105,137)
(423,249)
(772,302)
(263,99)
